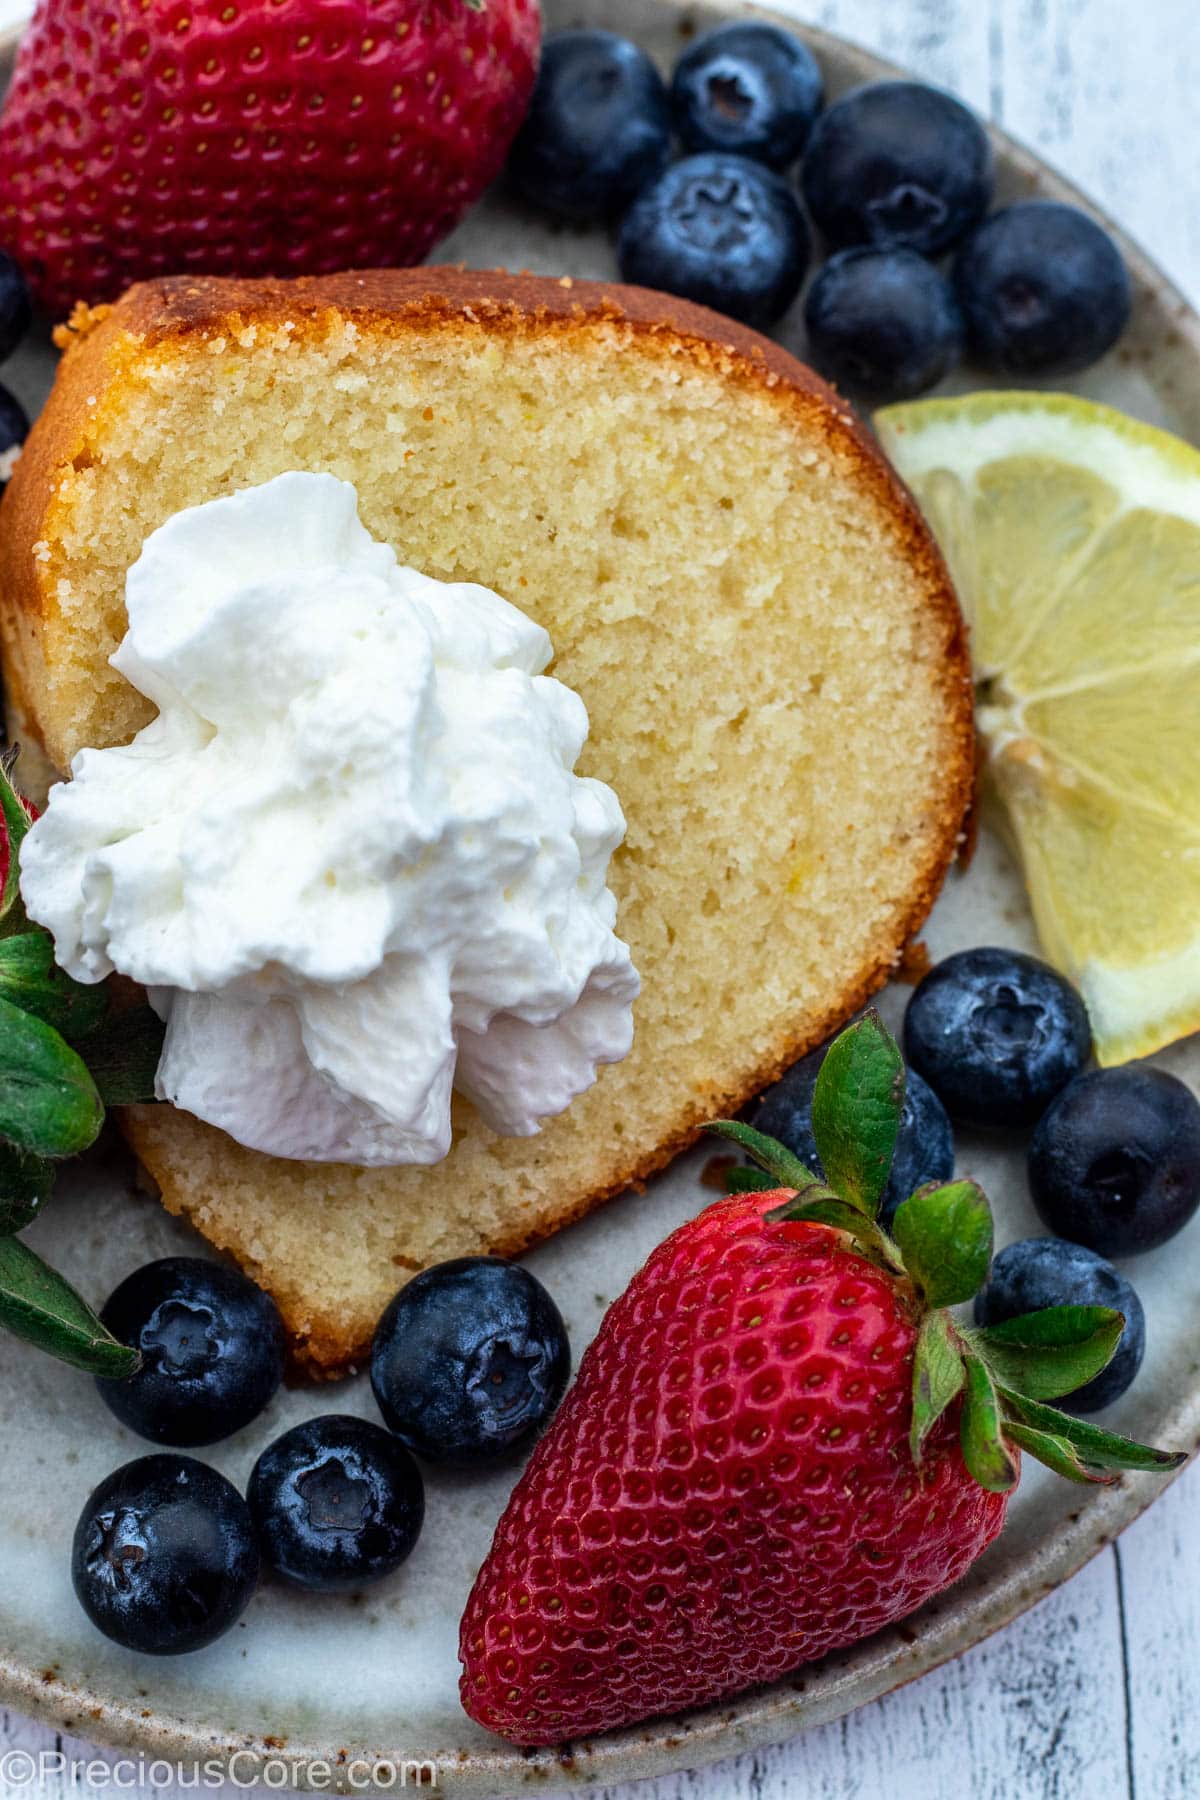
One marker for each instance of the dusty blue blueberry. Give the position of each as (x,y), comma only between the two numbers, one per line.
(16,313)
(897,162)
(164,1558)
(996,1034)
(598,128)
(748,87)
(882,324)
(1041,1272)
(14,429)
(337,1502)
(1043,288)
(212,1349)
(721,230)
(469,1360)
(1115,1161)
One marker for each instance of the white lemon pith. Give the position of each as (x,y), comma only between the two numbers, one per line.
(1073,535)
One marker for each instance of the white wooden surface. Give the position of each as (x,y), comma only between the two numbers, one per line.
(1097,1691)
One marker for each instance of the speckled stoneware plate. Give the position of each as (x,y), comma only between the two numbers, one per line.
(375,1677)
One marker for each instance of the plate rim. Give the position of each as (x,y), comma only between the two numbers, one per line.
(950,1626)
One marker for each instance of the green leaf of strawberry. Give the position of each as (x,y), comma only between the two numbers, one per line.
(37,1304)
(123,1056)
(982,1431)
(811,1200)
(840,1215)
(15,821)
(31,979)
(741,1180)
(1046,1354)
(51,1105)
(1100,1454)
(1055,1452)
(938,1377)
(48,1102)
(945,1237)
(856,1111)
(785,1170)
(26,1183)
(941,1241)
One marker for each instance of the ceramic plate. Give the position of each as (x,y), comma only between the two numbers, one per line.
(375,1677)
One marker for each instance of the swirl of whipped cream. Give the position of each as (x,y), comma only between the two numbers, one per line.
(350,858)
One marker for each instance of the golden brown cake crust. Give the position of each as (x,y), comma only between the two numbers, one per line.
(98,341)
(326,1346)
(391,303)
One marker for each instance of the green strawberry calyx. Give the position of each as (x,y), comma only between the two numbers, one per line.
(65,1055)
(941,1242)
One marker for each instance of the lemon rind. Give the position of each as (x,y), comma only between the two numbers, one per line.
(1143,1006)
(1135,1008)
(1147,467)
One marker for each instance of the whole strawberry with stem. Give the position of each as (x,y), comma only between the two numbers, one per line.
(252,137)
(780,1440)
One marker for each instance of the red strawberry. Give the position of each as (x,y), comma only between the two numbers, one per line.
(252,137)
(769,1451)
(727,1491)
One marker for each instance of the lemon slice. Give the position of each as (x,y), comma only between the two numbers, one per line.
(1073,534)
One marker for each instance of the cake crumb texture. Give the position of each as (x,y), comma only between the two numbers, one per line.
(745,597)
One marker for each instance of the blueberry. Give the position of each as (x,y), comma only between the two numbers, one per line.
(1115,1162)
(469,1360)
(996,1034)
(1041,1272)
(164,1558)
(14,429)
(753,88)
(16,314)
(1043,289)
(598,128)
(897,163)
(721,230)
(924,1142)
(212,1350)
(883,324)
(337,1502)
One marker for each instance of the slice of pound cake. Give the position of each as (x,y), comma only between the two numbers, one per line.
(743,594)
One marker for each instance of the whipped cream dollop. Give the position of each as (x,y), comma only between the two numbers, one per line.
(350,858)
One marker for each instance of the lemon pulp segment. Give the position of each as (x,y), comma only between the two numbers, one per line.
(1073,535)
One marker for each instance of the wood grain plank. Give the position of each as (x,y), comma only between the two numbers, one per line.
(1161,1582)
(1039,1712)
(1113,105)
(943,41)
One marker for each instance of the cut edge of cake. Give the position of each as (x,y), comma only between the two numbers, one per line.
(182,317)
